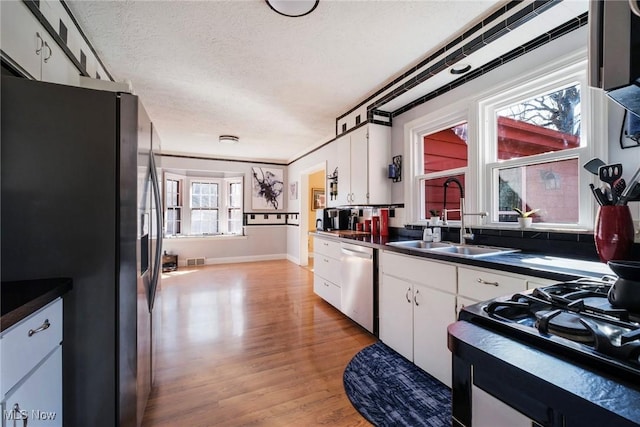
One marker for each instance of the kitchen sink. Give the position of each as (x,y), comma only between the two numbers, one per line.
(472,251)
(466,251)
(420,244)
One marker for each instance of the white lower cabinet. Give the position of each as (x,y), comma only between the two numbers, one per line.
(326,268)
(38,400)
(487,411)
(433,311)
(396,315)
(31,383)
(417,303)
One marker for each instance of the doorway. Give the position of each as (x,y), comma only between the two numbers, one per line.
(310,179)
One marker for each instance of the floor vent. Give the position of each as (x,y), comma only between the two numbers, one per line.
(191,262)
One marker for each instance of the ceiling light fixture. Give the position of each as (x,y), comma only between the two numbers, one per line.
(460,69)
(228,139)
(293,8)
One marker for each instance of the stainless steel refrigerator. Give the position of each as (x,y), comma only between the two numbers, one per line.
(81,199)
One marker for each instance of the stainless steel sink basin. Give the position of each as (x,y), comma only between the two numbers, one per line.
(420,244)
(466,251)
(471,251)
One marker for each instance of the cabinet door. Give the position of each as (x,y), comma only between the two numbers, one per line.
(344,171)
(482,285)
(396,315)
(379,156)
(433,311)
(359,166)
(18,35)
(328,291)
(56,66)
(40,397)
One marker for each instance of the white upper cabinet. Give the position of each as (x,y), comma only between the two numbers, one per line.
(363,156)
(28,46)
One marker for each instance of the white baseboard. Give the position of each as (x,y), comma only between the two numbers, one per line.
(231,260)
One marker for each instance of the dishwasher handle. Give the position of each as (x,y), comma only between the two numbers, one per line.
(364,255)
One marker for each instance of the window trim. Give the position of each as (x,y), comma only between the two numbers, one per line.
(541,83)
(414,138)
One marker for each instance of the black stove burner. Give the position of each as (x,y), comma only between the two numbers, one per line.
(576,311)
(563,324)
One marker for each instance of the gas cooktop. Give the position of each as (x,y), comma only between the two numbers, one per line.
(574,320)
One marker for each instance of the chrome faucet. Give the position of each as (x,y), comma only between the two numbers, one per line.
(463,230)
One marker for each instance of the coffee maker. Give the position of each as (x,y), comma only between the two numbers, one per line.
(332,219)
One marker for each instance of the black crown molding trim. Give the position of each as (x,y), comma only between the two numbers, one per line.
(82,34)
(539,41)
(500,29)
(221,159)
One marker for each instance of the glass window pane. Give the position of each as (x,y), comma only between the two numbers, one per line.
(235,221)
(542,124)
(434,196)
(204,221)
(446,149)
(235,194)
(551,187)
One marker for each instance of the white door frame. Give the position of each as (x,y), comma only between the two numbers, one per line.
(305,202)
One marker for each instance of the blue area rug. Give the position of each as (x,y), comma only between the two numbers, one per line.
(388,390)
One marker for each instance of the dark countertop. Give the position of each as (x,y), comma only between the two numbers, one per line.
(528,264)
(582,395)
(20,299)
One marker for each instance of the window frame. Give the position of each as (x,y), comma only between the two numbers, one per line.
(179,207)
(435,122)
(543,83)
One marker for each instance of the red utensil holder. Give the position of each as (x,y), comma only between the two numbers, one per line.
(613,233)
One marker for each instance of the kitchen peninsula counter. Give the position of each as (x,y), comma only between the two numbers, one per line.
(20,299)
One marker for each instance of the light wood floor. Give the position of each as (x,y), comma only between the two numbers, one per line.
(251,344)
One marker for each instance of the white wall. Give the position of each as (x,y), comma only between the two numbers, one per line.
(262,242)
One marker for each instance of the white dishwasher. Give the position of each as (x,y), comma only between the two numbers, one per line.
(356,278)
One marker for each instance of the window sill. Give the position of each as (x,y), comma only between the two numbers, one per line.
(199,238)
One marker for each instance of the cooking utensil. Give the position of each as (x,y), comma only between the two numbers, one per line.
(597,194)
(593,165)
(610,173)
(626,194)
(618,187)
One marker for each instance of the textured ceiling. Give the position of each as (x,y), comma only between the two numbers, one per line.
(208,68)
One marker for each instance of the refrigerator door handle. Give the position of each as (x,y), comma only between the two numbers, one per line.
(158,255)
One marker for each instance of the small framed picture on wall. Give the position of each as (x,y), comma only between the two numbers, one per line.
(317,198)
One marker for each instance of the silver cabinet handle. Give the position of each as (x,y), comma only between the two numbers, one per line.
(19,414)
(325,260)
(39,43)
(45,325)
(47,57)
(415,297)
(407,295)
(484,282)
(326,284)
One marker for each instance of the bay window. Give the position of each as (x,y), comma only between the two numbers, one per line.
(214,206)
